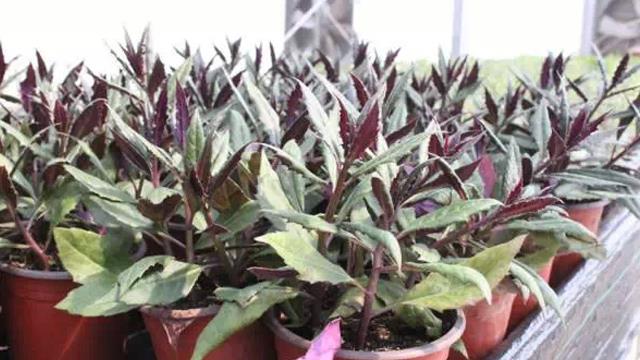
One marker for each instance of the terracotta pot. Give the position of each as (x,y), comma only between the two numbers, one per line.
(521,308)
(486,324)
(38,331)
(589,215)
(174,334)
(291,346)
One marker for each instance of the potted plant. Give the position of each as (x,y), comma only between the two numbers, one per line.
(188,189)
(564,143)
(363,236)
(46,128)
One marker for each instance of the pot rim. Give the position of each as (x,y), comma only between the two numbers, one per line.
(588,204)
(442,343)
(163,312)
(34,274)
(57,275)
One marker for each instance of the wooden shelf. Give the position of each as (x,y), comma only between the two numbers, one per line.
(601,303)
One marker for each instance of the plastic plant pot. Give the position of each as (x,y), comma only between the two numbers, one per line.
(290,346)
(486,324)
(36,330)
(174,334)
(588,214)
(521,307)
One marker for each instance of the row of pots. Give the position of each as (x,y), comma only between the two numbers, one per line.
(28,299)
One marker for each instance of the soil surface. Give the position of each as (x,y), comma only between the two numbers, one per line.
(386,333)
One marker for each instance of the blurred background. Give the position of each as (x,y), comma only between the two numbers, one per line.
(68,31)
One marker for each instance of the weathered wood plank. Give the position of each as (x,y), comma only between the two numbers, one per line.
(601,303)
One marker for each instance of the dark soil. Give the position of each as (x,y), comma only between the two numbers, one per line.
(386,333)
(197,298)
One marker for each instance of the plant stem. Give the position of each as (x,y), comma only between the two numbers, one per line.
(332,207)
(188,233)
(218,246)
(44,259)
(369,296)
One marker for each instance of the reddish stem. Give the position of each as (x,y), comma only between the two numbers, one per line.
(369,295)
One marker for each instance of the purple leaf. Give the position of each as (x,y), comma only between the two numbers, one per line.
(525,207)
(27,88)
(157,77)
(435,147)
(293,102)
(60,117)
(41,114)
(346,129)
(488,174)
(43,72)
(361,90)
(620,70)
(225,93)
(326,344)
(558,69)
(512,104)
(403,131)
(544,73)
(437,81)
(492,108)
(131,153)
(577,127)
(160,117)
(361,54)
(258,59)
(7,191)
(297,130)
(331,72)
(91,117)
(367,133)
(391,82)
(182,116)
(381,194)
(3,65)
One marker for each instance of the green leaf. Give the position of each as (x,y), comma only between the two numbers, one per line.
(460,272)
(441,293)
(529,281)
(232,317)
(267,116)
(546,248)
(98,186)
(133,273)
(96,298)
(164,287)
(511,175)
(114,214)
(540,128)
(87,256)
(235,221)
(305,259)
(60,200)
(419,317)
(242,297)
(195,141)
(456,212)
(328,132)
(383,237)
(426,254)
(139,141)
(294,163)
(309,221)
(554,225)
(270,192)
(397,150)
(239,131)
(179,76)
